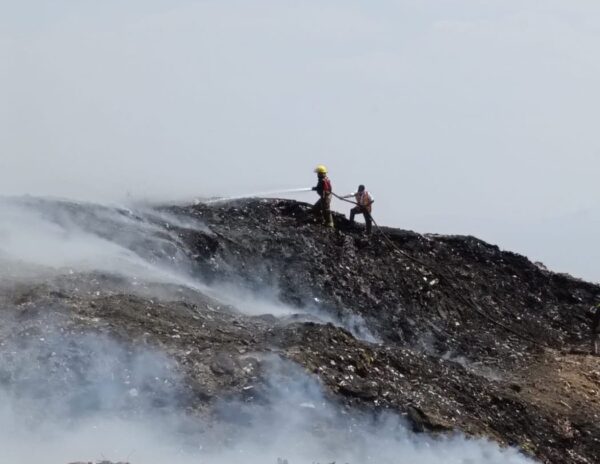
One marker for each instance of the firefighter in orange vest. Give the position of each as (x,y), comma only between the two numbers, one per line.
(323,188)
(364,202)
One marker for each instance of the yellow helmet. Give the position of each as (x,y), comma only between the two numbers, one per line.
(320,169)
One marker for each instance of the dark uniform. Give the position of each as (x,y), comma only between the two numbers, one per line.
(322,207)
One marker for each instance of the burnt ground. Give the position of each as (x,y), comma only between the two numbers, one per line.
(469,337)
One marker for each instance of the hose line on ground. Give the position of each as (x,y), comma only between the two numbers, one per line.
(448,275)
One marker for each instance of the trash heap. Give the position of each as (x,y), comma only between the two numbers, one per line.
(449,332)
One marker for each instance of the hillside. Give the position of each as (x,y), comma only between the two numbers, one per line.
(448,333)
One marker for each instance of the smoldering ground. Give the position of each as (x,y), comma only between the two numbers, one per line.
(142,245)
(67,396)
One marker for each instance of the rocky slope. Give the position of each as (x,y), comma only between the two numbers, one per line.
(448,331)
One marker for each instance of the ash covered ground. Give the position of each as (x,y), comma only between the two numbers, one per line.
(245,332)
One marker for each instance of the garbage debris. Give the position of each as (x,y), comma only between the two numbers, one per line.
(494,311)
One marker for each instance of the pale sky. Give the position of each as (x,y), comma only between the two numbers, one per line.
(476,117)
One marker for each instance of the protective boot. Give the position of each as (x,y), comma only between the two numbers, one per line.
(329,222)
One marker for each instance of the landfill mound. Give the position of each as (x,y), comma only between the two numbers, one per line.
(451,333)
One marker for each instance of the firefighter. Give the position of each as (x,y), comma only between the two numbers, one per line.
(322,208)
(364,202)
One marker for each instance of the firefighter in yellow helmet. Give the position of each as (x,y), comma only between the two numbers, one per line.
(322,207)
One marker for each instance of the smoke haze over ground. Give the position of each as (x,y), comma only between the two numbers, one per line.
(66,397)
(41,238)
(475,117)
(146,334)
(68,394)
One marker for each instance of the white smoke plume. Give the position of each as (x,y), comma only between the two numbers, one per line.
(75,396)
(138,244)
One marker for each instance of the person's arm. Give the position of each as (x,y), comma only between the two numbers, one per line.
(350,195)
(319,184)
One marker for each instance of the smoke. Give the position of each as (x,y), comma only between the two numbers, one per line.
(79,396)
(266,301)
(299,422)
(475,367)
(353,323)
(84,237)
(141,245)
(68,395)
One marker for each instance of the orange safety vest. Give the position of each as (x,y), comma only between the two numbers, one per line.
(364,199)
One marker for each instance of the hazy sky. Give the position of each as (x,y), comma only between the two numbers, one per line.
(476,117)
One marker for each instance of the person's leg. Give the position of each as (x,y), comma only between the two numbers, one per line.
(317,209)
(327,216)
(353,213)
(368,222)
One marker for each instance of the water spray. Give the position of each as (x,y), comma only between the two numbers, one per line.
(251,195)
